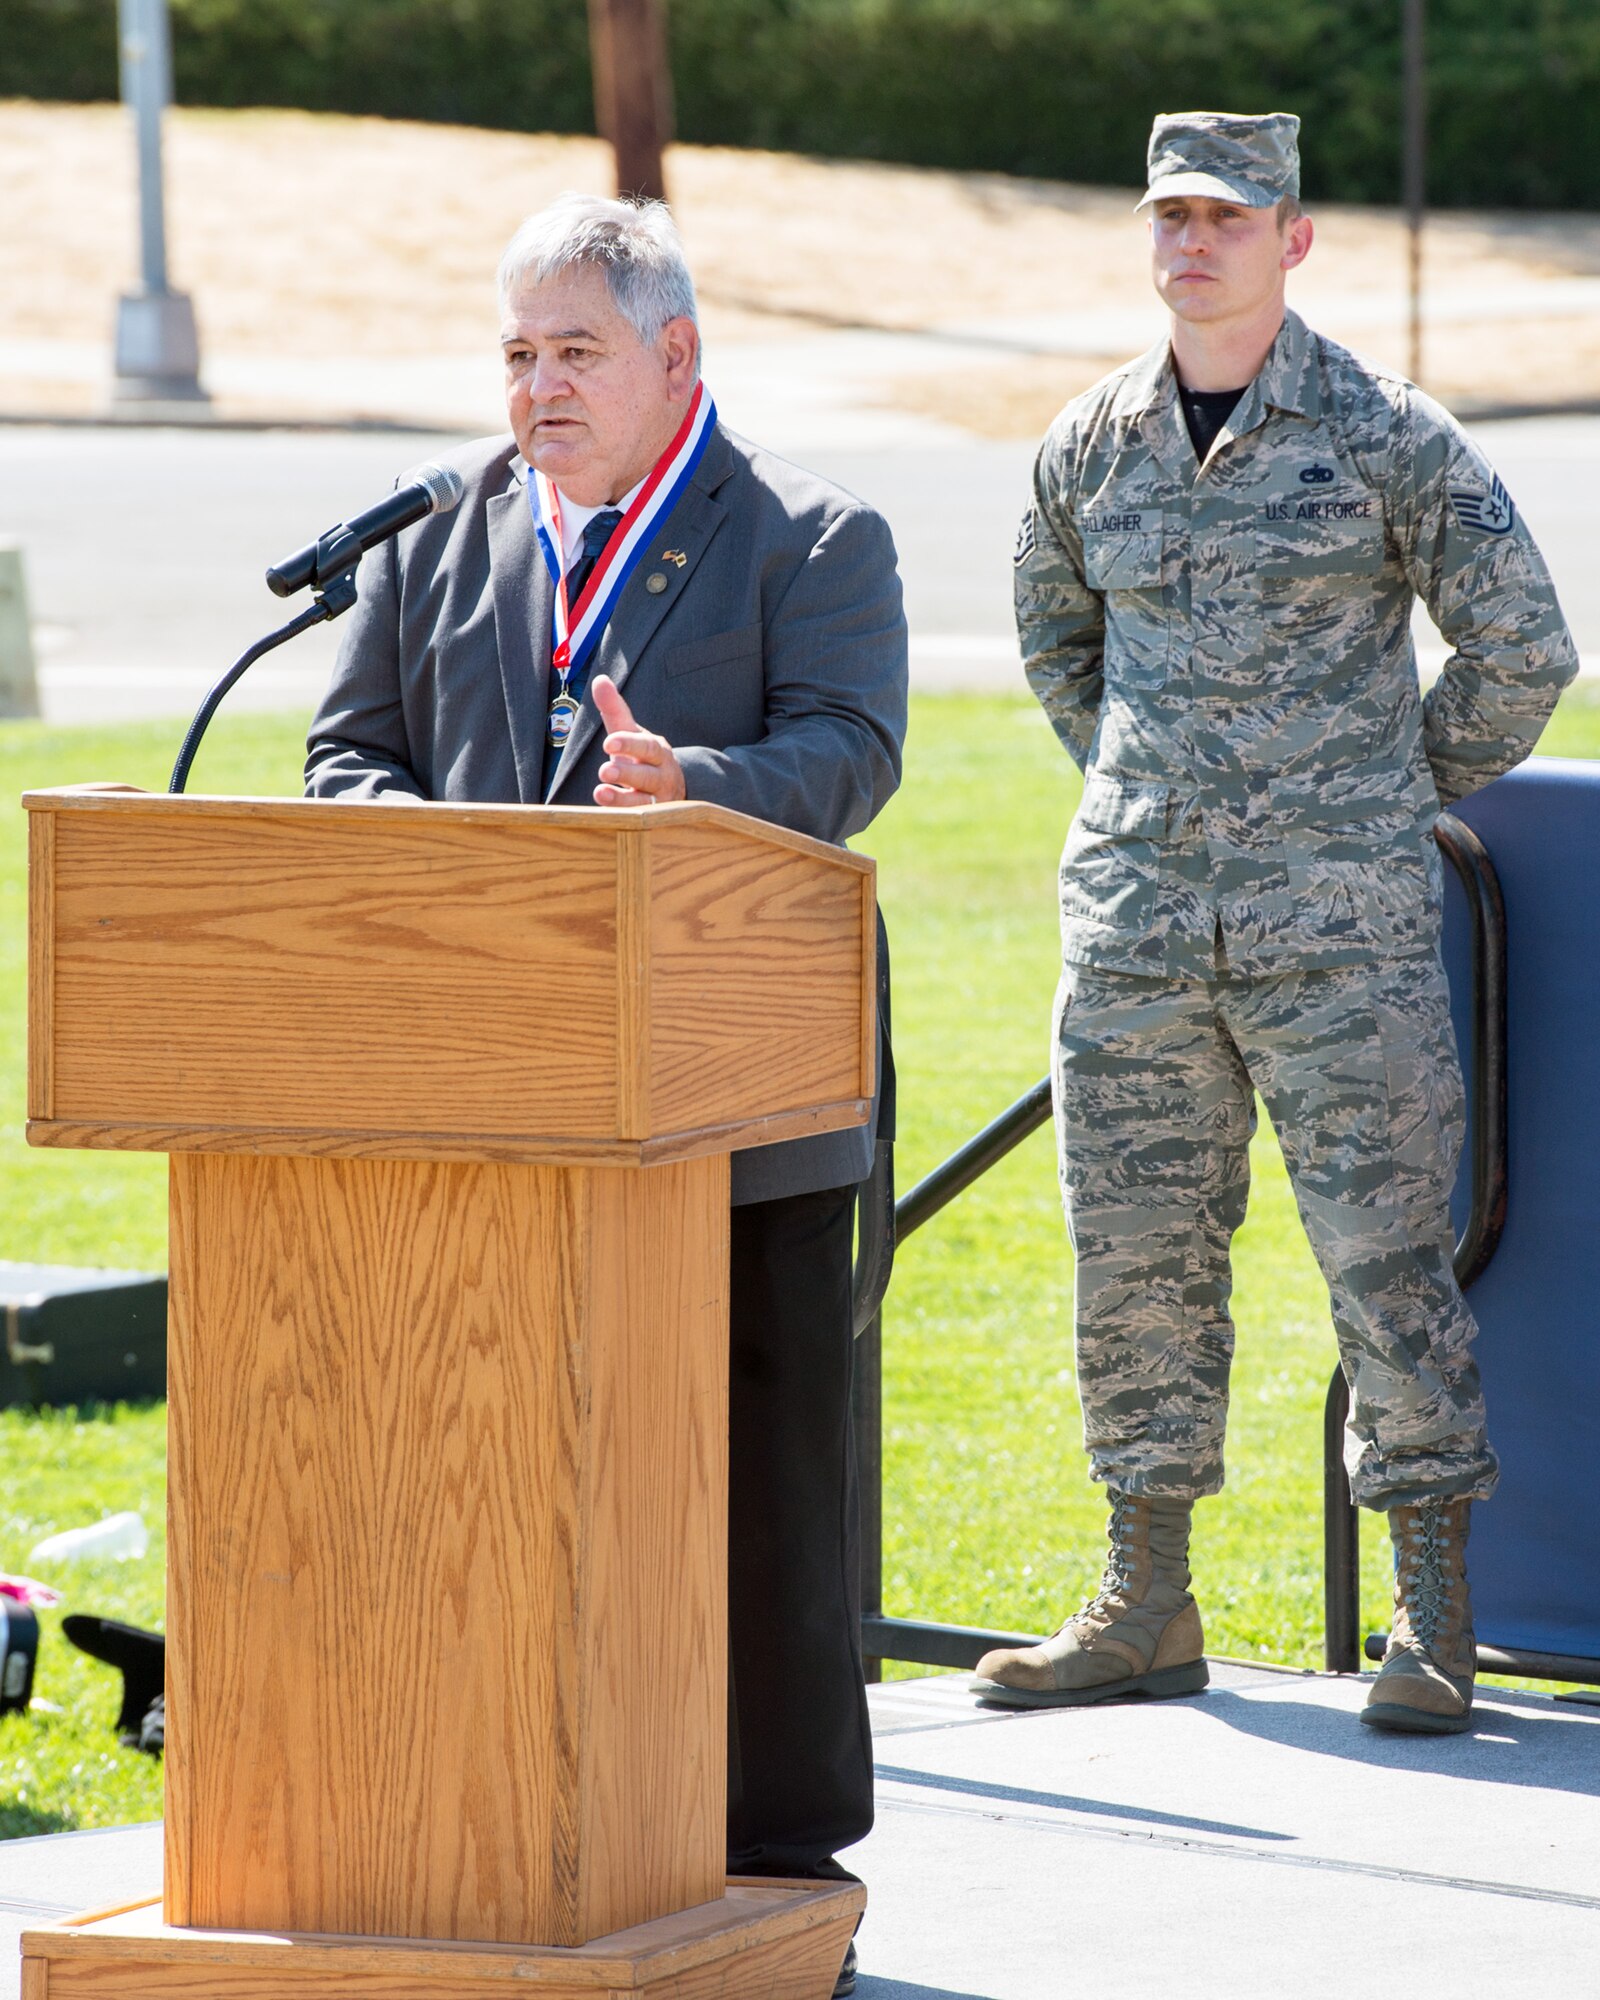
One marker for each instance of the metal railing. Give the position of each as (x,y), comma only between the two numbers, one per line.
(886,1223)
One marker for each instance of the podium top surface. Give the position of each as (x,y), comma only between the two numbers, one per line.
(128,799)
(427,980)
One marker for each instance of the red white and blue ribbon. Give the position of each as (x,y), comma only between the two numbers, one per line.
(576,629)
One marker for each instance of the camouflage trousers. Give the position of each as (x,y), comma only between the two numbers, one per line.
(1155,1086)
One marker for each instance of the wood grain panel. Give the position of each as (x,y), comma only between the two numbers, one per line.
(869,961)
(656,1507)
(414,973)
(757,979)
(374,1547)
(776,1971)
(803,1968)
(336,1145)
(99,1979)
(435,981)
(756,1131)
(331,1143)
(773,1941)
(633,984)
(128,799)
(446,1546)
(41,964)
(190,1567)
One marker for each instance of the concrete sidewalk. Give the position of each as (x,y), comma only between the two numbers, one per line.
(1252,1842)
(833,387)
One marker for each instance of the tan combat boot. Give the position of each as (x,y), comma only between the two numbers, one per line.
(1425,1683)
(1139,1634)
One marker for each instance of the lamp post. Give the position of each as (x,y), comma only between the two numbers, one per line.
(157,347)
(1414,172)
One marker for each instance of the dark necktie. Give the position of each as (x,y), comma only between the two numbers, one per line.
(597,531)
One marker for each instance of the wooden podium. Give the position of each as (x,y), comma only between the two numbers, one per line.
(449,1093)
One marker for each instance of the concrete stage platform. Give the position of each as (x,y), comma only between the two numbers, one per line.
(1253,1842)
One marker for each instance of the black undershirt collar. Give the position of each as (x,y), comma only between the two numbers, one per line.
(1205,411)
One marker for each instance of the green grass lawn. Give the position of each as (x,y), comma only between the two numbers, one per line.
(989,1517)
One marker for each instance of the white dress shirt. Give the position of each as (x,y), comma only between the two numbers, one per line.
(574,519)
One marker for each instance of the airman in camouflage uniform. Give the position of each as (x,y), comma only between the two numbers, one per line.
(1251,902)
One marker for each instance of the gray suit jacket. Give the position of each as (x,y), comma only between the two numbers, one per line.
(774,662)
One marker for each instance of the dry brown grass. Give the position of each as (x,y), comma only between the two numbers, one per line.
(309,235)
(1509,366)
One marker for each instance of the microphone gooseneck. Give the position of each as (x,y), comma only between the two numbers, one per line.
(339,596)
(328,565)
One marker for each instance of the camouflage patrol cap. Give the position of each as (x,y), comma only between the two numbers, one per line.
(1223,157)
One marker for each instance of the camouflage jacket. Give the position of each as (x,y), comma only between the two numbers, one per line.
(1226,650)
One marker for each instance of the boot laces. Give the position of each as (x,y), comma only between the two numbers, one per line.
(1428,1587)
(1117,1575)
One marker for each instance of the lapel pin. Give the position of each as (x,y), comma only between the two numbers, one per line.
(674,556)
(655,583)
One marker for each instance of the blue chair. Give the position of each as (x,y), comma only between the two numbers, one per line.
(1527,1209)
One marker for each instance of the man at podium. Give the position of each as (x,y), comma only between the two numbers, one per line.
(629,606)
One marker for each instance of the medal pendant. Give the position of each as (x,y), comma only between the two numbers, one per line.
(564,711)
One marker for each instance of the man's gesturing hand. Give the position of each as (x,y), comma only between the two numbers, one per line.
(641,768)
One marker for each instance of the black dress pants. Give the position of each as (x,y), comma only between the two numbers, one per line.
(799,1743)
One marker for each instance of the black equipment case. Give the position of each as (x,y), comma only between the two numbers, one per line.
(77,1336)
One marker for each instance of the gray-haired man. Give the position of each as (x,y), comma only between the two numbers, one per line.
(619,538)
(1214,590)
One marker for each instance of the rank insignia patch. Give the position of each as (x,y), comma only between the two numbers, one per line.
(1025,541)
(1493,511)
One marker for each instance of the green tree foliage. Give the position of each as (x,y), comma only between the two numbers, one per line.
(58,48)
(517,65)
(1060,88)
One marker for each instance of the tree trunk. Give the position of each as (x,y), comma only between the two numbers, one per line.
(632,91)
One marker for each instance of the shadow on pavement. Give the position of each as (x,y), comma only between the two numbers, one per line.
(1506,1746)
(901,1989)
(1064,1802)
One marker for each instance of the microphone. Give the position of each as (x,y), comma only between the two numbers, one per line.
(430,489)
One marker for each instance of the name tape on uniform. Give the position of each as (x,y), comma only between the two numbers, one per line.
(1130,521)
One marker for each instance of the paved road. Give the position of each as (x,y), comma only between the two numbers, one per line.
(145,548)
